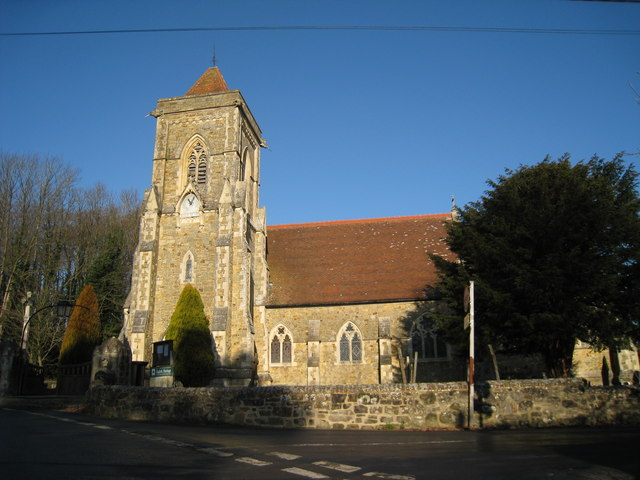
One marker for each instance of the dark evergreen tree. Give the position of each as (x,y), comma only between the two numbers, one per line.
(554,252)
(82,334)
(109,275)
(192,344)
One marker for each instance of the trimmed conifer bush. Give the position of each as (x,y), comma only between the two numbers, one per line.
(192,349)
(83,330)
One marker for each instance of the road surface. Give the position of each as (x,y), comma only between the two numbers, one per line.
(51,445)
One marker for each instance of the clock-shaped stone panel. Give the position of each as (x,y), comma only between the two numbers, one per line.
(190,206)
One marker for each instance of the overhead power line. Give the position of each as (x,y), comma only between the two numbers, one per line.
(562,31)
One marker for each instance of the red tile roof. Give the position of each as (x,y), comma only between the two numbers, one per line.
(354,261)
(211,81)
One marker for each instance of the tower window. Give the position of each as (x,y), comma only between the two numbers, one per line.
(188,270)
(350,344)
(197,164)
(243,165)
(192,168)
(202,170)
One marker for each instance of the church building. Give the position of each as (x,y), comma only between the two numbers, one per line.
(345,302)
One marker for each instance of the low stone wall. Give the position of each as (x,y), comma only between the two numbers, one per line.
(500,404)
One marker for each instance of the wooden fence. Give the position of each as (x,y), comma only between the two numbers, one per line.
(74,379)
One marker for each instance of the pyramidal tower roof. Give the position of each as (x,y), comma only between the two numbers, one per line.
(211,81)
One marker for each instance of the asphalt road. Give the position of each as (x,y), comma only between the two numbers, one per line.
(51,445)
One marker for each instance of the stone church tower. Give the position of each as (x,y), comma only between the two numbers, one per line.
(201,225)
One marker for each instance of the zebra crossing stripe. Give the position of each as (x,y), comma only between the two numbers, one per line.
(389,476)
(253,461)
(216,452)
(337,466)
(304,473)
(284,456)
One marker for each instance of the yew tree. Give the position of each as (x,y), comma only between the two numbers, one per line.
(82,334)
(192,344)
(554,250)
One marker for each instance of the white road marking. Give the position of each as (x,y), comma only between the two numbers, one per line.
(216,452)
(181,444)
(377,444)
(389,476)
(304,473)
(175,443)
(337,466)
(284,456)
(253,461)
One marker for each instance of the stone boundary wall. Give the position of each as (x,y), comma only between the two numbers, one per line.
(500,404)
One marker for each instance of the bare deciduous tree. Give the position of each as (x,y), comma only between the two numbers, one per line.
(51,232)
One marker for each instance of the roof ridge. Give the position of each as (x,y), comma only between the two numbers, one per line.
(361,220)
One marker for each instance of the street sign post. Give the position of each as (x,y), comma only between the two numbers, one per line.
(469,320)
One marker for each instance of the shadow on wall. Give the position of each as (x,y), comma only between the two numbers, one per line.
(346,407)
(428,354)
(420,353)
(504,404)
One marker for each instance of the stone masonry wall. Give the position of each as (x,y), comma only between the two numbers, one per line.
(501,404)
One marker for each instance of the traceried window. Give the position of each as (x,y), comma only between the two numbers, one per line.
(197,166)
(425,341)
(350,344)
(281,345)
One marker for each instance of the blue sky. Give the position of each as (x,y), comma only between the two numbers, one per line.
(360,123)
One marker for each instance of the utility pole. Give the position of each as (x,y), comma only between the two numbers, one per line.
(469,321)
(25,321)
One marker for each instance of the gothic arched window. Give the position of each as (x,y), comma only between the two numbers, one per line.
(350,344)
(188,270)
(197,164)
(281,345)
(243,165)
(425,341)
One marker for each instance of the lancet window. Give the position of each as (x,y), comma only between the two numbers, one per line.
(188,270)
(350,344)
(425,341)
(281,346)
(197,165)
(243,165)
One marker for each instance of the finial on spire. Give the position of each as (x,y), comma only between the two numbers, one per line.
(213,59)
(454,209)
